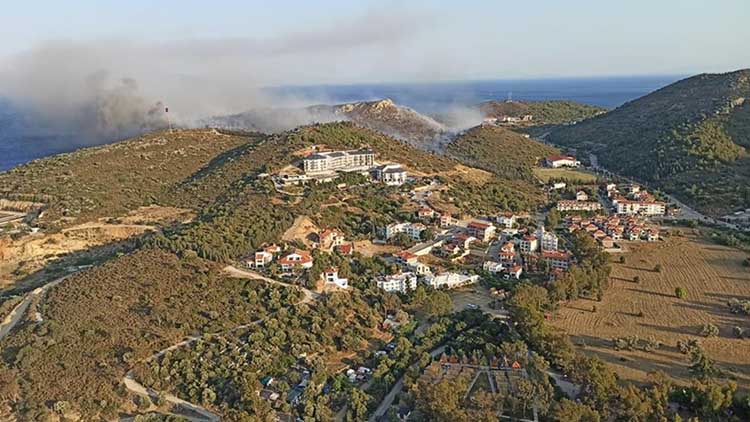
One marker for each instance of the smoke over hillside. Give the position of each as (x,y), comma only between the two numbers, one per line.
(115,88)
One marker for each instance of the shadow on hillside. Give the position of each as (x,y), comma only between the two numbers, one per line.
(218,161)
(649,292)
(688,330)
(725,296)
(631,267)
(635,360)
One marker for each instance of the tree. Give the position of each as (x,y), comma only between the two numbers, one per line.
(680,292)
(709,330)
(61,407)
(552,220)
(358,401)
(427,234)
(701,365)
(570,411)
(657,268)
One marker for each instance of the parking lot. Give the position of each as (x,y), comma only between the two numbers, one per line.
(475,295)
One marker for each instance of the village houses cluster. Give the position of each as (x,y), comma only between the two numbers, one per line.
(435,244)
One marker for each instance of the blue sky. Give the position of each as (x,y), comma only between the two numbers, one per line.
(208,58)
(426,40)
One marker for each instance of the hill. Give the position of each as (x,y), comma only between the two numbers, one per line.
(384,116)
(113,179)
(689,138)
(553,112)
(500,151)
(171,284)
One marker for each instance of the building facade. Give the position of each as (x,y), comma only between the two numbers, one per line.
(332,161)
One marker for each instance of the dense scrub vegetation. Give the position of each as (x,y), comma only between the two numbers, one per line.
(98,323)
(500,151)
(689,138)
(113,179)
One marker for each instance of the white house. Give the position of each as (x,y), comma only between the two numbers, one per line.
(413,230)
(450,280)
(582,196)
(298,258)
(391,174)
(556,161)
(507,220)
(492,267)
(515,271)
(331,276)
(401,283)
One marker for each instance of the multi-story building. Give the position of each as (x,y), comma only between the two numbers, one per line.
(482,231)
(569,205)
(391,174)
(547,240)
(557,259)
(413,230)
(625,206)
(529,244)
(401,283)
(332,161)
(450,280)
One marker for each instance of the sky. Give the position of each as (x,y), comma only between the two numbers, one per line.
(332,41)
(113,65)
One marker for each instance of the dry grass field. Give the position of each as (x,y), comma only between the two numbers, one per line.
(712,275)
(547,174)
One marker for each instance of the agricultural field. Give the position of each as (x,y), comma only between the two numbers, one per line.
(711,275)
(564,174)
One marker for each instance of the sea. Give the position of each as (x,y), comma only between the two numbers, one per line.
(19,145)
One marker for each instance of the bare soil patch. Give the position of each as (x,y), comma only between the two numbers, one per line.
(303,229)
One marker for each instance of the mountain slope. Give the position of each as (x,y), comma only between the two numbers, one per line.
(689,138)
(383,116)
(126,309)
(500,151)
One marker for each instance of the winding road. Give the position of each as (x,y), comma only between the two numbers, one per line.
(16,315)
(135,387)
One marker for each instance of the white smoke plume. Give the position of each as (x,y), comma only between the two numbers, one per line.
(110,89)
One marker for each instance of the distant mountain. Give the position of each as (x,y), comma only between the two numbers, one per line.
(383,116)
(542,112)
(689,138)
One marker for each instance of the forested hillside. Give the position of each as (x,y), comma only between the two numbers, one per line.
(690,138)
(500,151)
